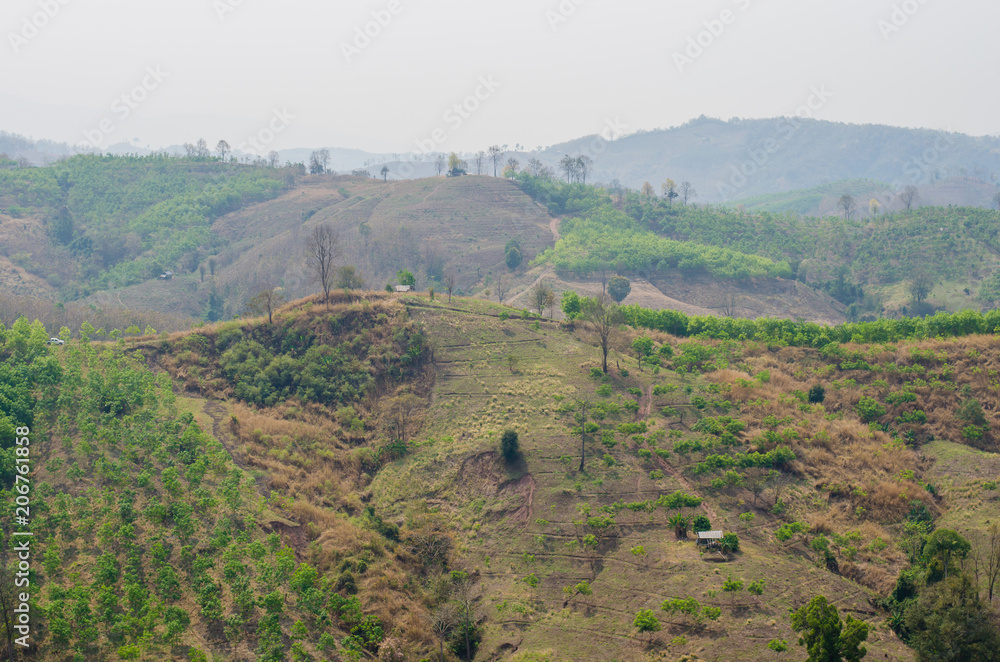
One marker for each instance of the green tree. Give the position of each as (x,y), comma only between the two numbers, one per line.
(349,278)
(619,287)
(643,347)
(945,544)
(921,285)
(512,258)
(950,623)
(827,638)
(570,304)
(405,277)
(646,621)
(509,445)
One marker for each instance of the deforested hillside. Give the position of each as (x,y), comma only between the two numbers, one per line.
(410,476)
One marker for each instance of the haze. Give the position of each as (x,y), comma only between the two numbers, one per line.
(555,71)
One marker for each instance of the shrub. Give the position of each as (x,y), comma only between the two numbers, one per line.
(509,445)
(817,394)
(869,409)
(730,543)
(701,523)
(778,645)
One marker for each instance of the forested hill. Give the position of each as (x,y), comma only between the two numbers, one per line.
(98,222)
(897,262)
(742,158)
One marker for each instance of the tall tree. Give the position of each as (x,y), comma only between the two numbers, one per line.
(222,147)
(607,319)
(944,545)
(266,302)
(921,285)
(570,168)
(496,153)
(449,283)
(502,287)
(440,163)
(201,149)
(848,205)
(510,170)
(687,192)
(908,196)
(385,172)
(322,250)
(480,160)
(669,190)
(647,190)
(540,295)
(950,622)
(273,159)
(584,164)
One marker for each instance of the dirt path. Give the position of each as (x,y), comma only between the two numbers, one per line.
(554,226)
(546,272)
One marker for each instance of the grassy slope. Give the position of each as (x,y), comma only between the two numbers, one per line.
(514,521)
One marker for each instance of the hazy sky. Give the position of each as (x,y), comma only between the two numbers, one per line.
(295,73)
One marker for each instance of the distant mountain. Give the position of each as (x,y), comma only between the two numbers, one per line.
(744,158)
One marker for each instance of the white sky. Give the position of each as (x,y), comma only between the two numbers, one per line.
(608,59)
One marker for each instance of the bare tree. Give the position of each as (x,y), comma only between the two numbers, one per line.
(319,160)
(449,283)
(496,153)
(579,414)
(222,147)
(201,149)
(687,192)
(502,287)
(848,205)
(273,159)
(322,249)
(550,303)
(479,159)
(539,296)
(400,413)
(607,319)
(584,164)
(440,162)
(266,301)
(908,196)
(443,624)
(570,168)
(202,268)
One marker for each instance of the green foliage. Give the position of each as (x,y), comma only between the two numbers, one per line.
(730,543)
(869,409)
(943,546)
(678,500)
(646,621)
(701,523)
(509,445)
(949,621)
(732,585)
(619,288)
(827,638)
(778,645)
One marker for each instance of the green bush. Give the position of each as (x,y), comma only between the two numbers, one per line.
(510,447)
(869,409)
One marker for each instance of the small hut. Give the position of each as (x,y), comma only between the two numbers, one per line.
(710,538)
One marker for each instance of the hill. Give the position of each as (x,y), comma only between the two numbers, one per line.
(331,483)
(748,157)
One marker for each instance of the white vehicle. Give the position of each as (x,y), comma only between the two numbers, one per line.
(56,341)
